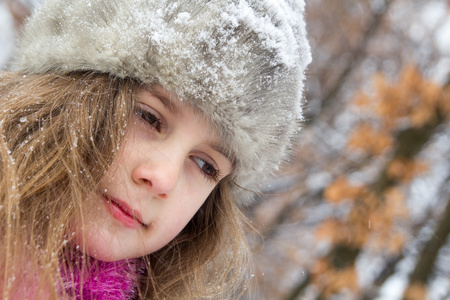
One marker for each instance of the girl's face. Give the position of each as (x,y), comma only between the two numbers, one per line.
(168,165)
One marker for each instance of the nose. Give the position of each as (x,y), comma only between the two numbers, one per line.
(158,175)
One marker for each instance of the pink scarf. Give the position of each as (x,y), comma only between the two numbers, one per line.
(105,280)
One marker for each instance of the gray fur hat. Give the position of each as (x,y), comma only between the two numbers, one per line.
(239,62)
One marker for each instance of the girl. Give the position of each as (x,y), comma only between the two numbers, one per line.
(131,132)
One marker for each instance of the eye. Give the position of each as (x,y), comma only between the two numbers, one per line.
(208,169)
(149,118)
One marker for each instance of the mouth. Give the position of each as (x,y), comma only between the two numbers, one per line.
(123,213)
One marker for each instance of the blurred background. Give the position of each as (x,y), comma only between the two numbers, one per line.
(363,209)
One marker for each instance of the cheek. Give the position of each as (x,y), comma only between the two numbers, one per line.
(86,232)
(179,218)
(181,213)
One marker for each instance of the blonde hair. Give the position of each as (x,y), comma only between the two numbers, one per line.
(59,133)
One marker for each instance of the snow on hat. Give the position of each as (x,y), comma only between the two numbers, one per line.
(240,62)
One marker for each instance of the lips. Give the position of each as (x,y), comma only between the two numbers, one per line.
(123,213)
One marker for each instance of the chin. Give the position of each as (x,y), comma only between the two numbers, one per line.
(97,248)
(101,255)
(108,252)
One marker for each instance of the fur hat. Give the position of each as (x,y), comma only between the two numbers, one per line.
(240,62)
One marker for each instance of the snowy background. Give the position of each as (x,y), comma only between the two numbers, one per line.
(357,214)
(7,34)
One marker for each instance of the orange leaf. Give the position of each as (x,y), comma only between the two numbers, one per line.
(362,100)
(416,291)
(444,103)
(340,190)
(368,139)
(395,203)
(329,229)
(404,170)
(421,114)
(339,280)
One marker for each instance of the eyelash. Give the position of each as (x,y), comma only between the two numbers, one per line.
(154,122)
(149,118)
(215,172)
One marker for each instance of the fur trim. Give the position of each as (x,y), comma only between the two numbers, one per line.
(102,280)
(241,63)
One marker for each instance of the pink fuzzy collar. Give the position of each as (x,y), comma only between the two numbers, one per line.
(105,280)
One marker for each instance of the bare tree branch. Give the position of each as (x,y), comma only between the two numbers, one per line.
(427,257)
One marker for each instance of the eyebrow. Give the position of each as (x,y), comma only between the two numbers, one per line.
(219,147)
(168,102)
